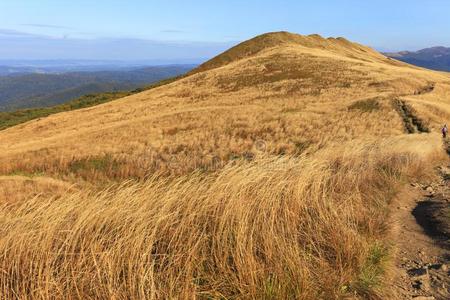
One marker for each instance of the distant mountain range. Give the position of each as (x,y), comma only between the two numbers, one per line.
(17,67)
(436,58)
(29,90)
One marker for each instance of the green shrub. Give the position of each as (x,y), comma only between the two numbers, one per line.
(372,272)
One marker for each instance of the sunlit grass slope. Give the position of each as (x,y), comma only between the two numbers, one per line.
(267,173)
(275,228)
(292,96)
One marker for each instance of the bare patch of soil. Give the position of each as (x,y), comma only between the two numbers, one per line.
(422,235)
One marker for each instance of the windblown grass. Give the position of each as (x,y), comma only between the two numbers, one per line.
(273,228)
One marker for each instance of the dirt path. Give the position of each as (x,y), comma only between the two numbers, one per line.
(412,123)
(422,235)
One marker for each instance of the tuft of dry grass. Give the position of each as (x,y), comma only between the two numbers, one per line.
(272,228)
(367,105)
(17,189)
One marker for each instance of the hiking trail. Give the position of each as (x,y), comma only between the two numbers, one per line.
(412,123)
(422,235)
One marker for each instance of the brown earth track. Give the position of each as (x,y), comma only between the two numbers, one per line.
(423,240)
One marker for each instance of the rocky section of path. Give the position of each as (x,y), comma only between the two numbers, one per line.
(422,219)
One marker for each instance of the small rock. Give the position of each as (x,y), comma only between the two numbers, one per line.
(435,266)
(430,189)
(418,272)
(417,284)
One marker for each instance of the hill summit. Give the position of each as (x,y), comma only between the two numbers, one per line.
(274,39)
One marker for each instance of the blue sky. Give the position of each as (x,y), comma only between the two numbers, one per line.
(190,30)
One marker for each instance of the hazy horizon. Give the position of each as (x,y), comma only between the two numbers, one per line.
(117,62)
(179,32)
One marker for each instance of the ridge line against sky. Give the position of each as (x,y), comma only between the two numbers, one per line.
(195,30)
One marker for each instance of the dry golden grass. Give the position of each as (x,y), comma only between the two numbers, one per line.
(16,189)
(286,96)
(266,176)
(274,228)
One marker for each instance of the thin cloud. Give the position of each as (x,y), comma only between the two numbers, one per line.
(46,26)
(173,31)
(14,33)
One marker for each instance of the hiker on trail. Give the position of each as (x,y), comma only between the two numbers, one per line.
(444,131)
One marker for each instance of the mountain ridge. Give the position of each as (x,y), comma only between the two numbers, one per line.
(273,39)
(435,58)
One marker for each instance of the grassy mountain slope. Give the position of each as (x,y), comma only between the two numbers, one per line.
(265,174)
(9,119)
(282,96)
(275,39)
(41,90)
